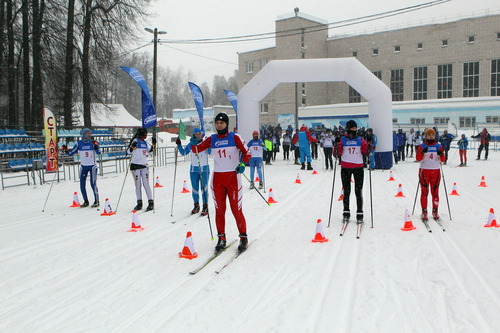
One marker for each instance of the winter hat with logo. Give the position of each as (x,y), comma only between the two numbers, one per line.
(223,117)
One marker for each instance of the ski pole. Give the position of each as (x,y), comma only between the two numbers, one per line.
(416,194)
(371,196)
(50,189)
(204,192)
(263,176)
(445,192)
(331,199)
(257,190)
(154,165)
(126,171)
(173,187)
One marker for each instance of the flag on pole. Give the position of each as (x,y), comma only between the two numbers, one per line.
(198,101)
(234,102)
(182,130)
(50,130)
(148,109)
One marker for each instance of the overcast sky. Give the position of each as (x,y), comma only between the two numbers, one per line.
(195,19)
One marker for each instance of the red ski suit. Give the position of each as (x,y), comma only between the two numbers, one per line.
(225,181)
(429,173)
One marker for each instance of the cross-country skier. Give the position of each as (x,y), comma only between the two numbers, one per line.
(463,143)
(140,151)
(430,153)
(87,150)
(199,177)
(304,137)
(255,148)
(351,149)
(485,138)
(226,179)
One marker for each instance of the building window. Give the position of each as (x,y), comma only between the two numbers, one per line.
(397,49)
(492,119)
(441,120)
(419,83)
(249,66)
(397,84)
(355,54)
(498,35)
(417,120)
(420,46)
(264,107)
(354,96)
(375,52)
(444,84)
(495,77)
(394,120)
(378,74)
(471,79)
(467,121)
(471,39)
(263,62)
(444,43)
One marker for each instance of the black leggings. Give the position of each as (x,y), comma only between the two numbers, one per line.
(345,175)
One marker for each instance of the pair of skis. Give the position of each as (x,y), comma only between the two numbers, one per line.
(428,227)
(359,228)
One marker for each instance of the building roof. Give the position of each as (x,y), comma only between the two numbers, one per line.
(110,115)
(301,15)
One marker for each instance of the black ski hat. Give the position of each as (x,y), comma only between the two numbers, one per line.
(350,124)
(141,132)
(222,116)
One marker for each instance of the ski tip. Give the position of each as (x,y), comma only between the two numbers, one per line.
(357,237)
(341,234)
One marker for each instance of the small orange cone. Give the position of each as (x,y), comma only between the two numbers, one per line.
(271,197)
(492,221)
(157,183)
(320,235)
(314,171)
(297,180)
(76,201)
(341,195)
(185,188)
(408,223)
(188,249)
(257,179)
(483,182)
(454,190)
(136,225)
(107,209)
(400,192)
(391,178)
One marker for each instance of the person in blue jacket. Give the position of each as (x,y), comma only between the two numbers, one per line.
(304,137)
(87,150)
(463,143)
(256,149)
(199,171)
(445,141)
(401,139)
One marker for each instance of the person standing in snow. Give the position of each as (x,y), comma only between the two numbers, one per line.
(463,143)
(226,180)
(327,143)
(314,145)
(371,140)
(198,172)
(140,151)
(304,137)
(430,153)
(410,142)
(401,141)
(351,149)
(287,140)
(256,149)
(87,150)
(445,141)
(485,138)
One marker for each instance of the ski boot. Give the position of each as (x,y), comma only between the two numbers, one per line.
(424,216)
(84,204)
(221,243)
(243,242)
(359,218)
(346,216)
(309,167)
(303,167)
(435,214)
(261,185)
(95,204)
(151,205)
(204,210)
(252,186)
(139,205)
(196,208)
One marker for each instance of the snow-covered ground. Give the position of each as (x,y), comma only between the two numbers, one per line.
(72,270)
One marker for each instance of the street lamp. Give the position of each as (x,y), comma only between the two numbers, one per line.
(155,33)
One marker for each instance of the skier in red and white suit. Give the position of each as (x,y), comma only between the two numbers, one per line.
(430,154)
(226,181)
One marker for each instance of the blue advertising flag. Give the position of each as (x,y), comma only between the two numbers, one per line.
(148,109)
(231,96)
(198,101)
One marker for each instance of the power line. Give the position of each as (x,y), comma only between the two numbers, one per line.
(198,55)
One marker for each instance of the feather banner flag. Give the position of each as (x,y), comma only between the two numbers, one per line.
(50,130)
(198,101)
(148,109)
(182,130)
(234,102)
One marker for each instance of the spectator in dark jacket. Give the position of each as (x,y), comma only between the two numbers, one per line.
(401,140)
(485,143)
(445,141)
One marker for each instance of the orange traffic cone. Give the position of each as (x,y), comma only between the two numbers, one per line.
(483,182)
(76,201)
(188,249)
(107,209)
(408,223)
(271,197)
(454,190)
(136,225)
(400,192)
(341,195)
(314,171)
(297,180)
(391,178)
(492,221)
(185,188)
(320,235)
(257,179)
(157,183)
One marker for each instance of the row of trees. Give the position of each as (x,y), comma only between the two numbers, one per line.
(61,52)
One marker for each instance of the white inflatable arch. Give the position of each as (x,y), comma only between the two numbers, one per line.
(349,70)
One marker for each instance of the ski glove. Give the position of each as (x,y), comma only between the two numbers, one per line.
(439,152)
(96,145)
(178,142)
(193,141)
(425,150)
(292,147)
(134,144)
(240,168)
